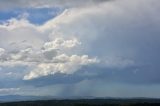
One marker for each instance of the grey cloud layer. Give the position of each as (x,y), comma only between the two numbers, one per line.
(7,4)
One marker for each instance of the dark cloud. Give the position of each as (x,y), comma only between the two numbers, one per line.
(136,75)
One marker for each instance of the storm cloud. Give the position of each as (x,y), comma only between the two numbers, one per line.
(112,46)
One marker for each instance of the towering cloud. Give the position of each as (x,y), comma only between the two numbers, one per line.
(92,42)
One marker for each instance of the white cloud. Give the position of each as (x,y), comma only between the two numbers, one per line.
(46,58)
(49,59)
(62,64)
(60,43)
(2,51)
(20,34)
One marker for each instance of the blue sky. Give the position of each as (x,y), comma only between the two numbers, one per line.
(35,16)
(96,48)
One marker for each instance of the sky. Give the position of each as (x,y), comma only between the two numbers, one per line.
(83,48)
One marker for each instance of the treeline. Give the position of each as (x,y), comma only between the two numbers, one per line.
(78,103)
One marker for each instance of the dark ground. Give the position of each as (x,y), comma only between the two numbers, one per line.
(87,102)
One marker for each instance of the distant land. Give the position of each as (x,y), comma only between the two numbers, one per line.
(17,100)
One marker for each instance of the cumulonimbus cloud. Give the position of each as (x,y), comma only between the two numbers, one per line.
(123,29)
